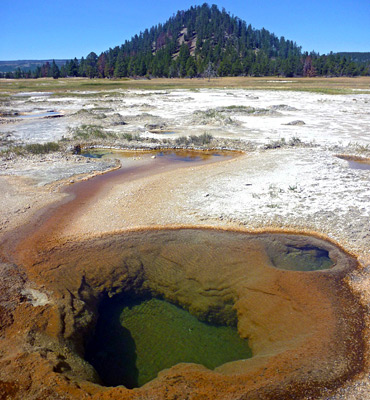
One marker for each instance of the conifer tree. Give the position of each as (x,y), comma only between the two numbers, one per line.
(190,67)
(184,54)
(55,73)
(120,69)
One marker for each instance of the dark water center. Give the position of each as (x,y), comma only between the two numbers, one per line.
(137,338)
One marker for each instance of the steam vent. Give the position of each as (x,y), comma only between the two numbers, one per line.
(230,315)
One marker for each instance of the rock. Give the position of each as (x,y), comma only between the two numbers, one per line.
(297,123)
(77,149)
(35,297)
(155,127)
(282,107)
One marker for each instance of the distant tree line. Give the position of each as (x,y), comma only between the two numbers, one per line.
(47,70)
(363,57)
(202,42)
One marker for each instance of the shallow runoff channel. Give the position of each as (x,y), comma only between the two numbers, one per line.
(134,165)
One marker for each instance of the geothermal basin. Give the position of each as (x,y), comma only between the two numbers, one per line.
(282,297)
(215,257)
(157,312)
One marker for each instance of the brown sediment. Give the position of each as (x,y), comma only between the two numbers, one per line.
(351,157)
(305,328)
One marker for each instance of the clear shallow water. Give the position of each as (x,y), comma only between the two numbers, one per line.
(33,94)
(304,258)
(356,162)
(169,155)
(358,165)
(40,115)
(135,340)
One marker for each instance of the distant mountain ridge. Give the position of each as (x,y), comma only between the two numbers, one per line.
(361,57)
(203,42)
(26,65)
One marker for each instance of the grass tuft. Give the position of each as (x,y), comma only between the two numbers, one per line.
(45,148)
(129,137)
(199,140)
(36,148)
(90,132)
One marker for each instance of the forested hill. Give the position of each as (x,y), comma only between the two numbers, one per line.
(204,41)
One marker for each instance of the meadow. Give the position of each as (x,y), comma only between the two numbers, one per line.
(340,85)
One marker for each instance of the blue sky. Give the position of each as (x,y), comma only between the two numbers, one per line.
(61,29)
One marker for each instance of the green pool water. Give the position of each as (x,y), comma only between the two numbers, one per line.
(136,339)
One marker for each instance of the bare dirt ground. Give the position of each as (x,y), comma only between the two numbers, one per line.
(290,179)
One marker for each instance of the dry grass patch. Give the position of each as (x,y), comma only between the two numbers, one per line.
(316,85)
